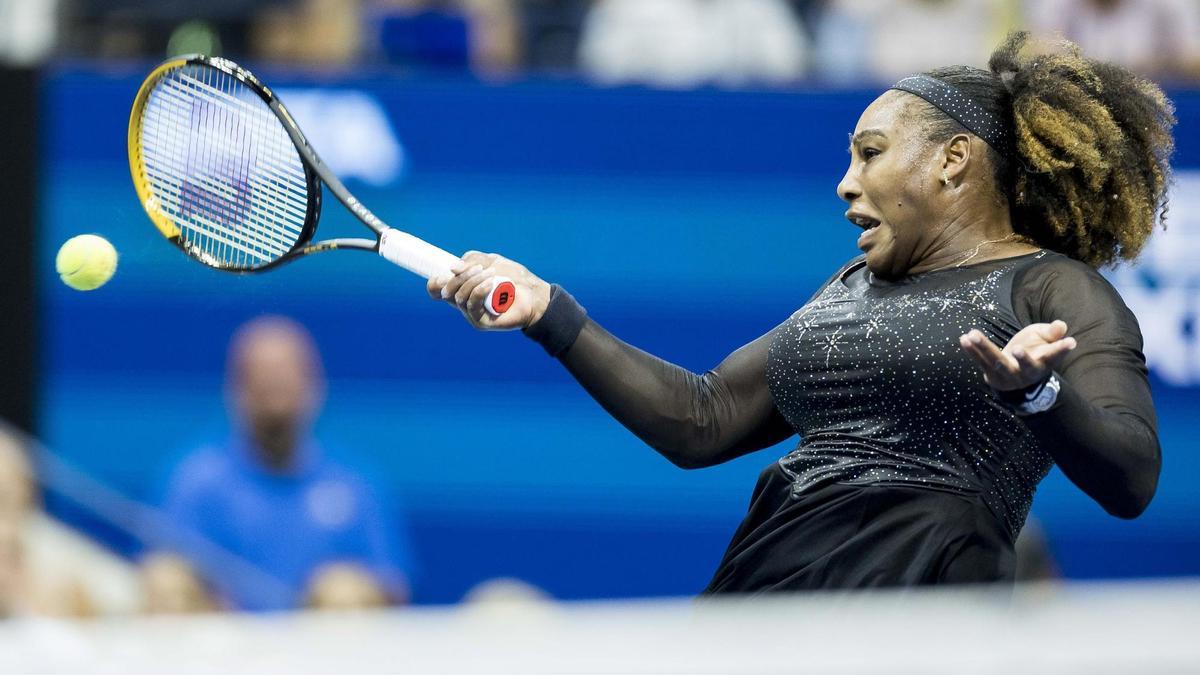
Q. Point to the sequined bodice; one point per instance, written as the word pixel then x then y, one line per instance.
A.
pixel 871 375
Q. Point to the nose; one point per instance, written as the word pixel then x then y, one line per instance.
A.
pixel 849 189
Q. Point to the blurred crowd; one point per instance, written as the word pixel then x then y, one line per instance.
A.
pixel 47 569
pixel 262 520
pixel 669 43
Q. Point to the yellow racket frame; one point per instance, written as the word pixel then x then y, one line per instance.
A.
pixel 137 166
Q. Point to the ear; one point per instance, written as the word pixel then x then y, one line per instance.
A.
pixel 956 156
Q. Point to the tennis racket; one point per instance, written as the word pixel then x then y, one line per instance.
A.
pixel 226 175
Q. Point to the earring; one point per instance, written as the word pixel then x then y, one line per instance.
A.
pixel 945 177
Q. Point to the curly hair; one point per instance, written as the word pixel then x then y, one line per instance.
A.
pixel 1088 163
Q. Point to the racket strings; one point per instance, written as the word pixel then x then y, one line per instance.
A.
pixel 232 203
pixel 222 167
pixel 230 200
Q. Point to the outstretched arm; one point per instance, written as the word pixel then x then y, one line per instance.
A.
pixel 691 419
pixel 1101 430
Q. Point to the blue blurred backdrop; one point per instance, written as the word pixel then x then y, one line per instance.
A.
pixel 687 222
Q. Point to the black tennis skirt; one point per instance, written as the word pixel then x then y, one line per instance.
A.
pixel 844 536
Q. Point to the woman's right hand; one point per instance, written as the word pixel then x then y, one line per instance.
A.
pixel 471 280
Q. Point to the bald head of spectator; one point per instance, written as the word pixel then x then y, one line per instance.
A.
pixel 276 386
pixel 172 586
pixel 346 586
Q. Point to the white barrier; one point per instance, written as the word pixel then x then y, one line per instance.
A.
pixel 1125 628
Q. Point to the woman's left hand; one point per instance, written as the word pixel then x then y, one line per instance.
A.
pixel 1027 358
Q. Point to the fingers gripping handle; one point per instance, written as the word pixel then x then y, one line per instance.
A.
pixel 421 257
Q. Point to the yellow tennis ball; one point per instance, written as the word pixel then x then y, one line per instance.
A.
pixel 86 262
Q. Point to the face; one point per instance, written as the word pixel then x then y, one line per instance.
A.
pixel 276 390
pixel 891 186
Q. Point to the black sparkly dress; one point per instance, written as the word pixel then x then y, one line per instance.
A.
pixel 910 469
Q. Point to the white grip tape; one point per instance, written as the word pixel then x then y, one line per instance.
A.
pixel 415 255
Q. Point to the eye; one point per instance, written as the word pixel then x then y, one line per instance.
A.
pixel 868 153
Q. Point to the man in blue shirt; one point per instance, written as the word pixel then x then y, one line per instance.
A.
pixel 266 518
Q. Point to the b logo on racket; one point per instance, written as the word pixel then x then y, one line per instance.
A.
pixel 502 297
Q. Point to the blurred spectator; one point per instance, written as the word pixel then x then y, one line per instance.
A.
pixel 312 32
pixel 154 28
pixel 344 586
pixel 508 598
pixel 550 31
pixel 684 43
pixel 885 40
pixel 483 35
pixel 1158 38
pixel 45 567
pixel 28 30
pixel 269 496
pixel 809 11
pixel 171 586
pixel 506 590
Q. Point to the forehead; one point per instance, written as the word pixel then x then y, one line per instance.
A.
pixel 271 355
pixel 272 344
pixel 891 113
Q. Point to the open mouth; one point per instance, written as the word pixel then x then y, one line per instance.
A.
pixel 865 222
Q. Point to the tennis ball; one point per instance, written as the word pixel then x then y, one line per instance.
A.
pixel 86 262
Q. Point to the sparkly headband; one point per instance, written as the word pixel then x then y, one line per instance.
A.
pixel 950 100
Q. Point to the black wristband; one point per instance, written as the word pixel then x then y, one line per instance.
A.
pixel 560 324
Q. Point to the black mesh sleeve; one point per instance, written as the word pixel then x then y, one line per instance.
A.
pixel 1102 429
pixel 693 420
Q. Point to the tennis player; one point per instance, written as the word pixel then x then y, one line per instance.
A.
pixel 934 380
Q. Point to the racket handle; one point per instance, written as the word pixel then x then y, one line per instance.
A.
pixel 415 255
pixel 501 297
pixel 420 257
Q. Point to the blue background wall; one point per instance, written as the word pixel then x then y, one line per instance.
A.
pixel 687 222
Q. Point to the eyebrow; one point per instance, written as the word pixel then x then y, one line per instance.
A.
pixel 857 138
